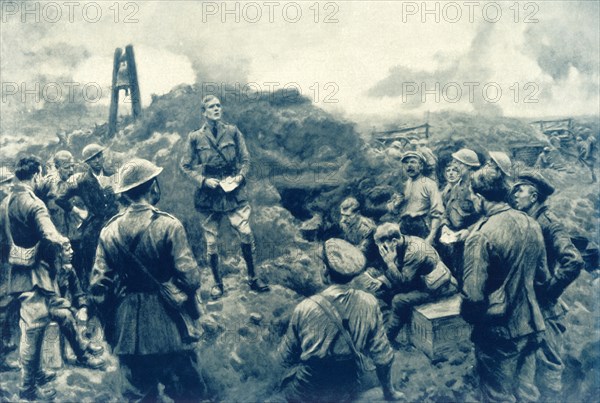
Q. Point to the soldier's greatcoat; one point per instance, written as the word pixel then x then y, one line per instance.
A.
pixel 138 321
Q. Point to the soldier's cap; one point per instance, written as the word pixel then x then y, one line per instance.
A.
pixel 413 154
pixel 385 231
pixel 135 173
pixel 344 258
pixel 467 157
pixel 90 151
pixel 63 156
pixel 502 160
pixel 349 205
pixel 546 149
pixel 6 175
pixel 398 143
pixel 535 179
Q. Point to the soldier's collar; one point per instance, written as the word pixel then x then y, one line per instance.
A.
pixel 538 210
pixel 140 206
pixel 497 208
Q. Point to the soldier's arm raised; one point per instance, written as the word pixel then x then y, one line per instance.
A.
pixel 190 163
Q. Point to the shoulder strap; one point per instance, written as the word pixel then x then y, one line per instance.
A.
pixel 216 148
pixel 130 253
pixel 6 220
pixel 335 317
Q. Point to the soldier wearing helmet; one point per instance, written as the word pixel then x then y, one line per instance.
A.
pixel 93 156
pixel 139 250
pixel 85 194
pixel 459 211
pixel 218 162
pixel 498 165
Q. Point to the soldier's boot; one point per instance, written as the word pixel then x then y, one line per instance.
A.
pixel 254 283
pixel 8 365
pixel 80 346
pixel 217 290
pixel 31 355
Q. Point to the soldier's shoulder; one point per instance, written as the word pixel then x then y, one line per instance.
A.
pixel 113 220
pixel 166 218
pixel 364 298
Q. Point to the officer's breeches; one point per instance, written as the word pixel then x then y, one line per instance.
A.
pixel 239 220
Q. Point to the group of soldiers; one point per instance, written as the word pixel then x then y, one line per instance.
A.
pixel 487 235
pixel 73 239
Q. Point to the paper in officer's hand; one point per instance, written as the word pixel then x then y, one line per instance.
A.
pixel 228 184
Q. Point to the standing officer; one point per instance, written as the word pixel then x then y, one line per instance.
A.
pixel 504 259
pixel 564 263
pixel 139 249
pixel 218 162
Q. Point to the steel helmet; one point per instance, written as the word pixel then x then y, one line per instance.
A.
pixel 502 160
pixel 134 173
pixel 467 157
pixel 91 150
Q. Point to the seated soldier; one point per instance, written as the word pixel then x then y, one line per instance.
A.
pixel 358 229
pixel 415 274
pixel 330 334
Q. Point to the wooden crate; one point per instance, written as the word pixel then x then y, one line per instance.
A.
pixel 437 328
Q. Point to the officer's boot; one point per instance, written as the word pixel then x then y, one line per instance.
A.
pixel 85 358
pixel 31 356
pixel 254 283
pixel 217 291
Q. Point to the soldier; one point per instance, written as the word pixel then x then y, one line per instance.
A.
pixel 504 258
pixel 564 263
pixel 328 334
pixel 421 204
pixel 93 156
pixel 414 272
pixel 141 250
pixel 99 207
pixel 35 246
pixel 217 161
pixel 459 212
pixel 8 304
pixel 357 229
pixel 543 160
pixel 586 153
pixel 498 165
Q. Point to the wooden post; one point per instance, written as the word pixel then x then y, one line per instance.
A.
pixel 114 98
pixel 134 88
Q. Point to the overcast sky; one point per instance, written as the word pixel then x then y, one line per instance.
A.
pixel 358 58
